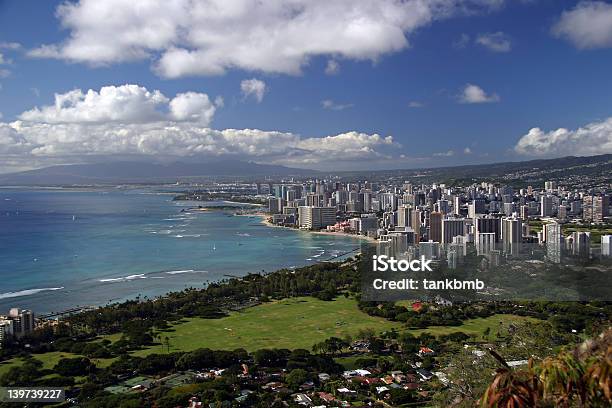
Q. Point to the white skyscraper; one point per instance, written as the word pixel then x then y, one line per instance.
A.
pixel 606 245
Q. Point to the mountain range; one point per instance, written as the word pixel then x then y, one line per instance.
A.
pixel 119 172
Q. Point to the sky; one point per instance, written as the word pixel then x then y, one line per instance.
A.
pixel 324 84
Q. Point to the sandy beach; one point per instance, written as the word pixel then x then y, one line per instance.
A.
pixel 264 219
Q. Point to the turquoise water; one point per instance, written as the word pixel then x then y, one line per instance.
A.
pixel 62 248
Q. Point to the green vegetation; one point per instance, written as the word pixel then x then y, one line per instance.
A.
pixel 596 231
pixel 476 327
pixel 49 360
pixel 291 323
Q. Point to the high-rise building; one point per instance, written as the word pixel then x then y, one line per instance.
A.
pixel 275 205
pixel 524 212
pixel 581 243
pixel 553 238
pixel 606 245
pixel 435 226
pixel 368 224
pixel 316 217
pixel 6 330
pixel 451 228
pixel 485 243
pixel 404 216
pixel 23 321
pixel 388 201
pixel 546 206
pixel 595 208
pixel 430 249
pixel 478 206
pixel 395 243
pixel 512 234
pixel 488 224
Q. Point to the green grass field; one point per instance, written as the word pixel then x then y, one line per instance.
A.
pixel 290 323
pixel 49 360
pixel 476 327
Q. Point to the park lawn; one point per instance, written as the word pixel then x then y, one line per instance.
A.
pixel 50 359
pixel 476 327
pixel 6 365
pixel 290 323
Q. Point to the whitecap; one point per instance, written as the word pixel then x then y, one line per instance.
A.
pixel 26 292
pixel 124 278
pixel 185 271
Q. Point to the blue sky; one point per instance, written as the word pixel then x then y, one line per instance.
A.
pixel 528 64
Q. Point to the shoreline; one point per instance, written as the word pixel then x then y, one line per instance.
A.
pixel 264 220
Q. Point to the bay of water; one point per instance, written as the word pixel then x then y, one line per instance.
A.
pixel 64 248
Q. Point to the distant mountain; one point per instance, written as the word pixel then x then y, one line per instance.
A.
pixel 578 170
pixel 140 172
pixel 582 170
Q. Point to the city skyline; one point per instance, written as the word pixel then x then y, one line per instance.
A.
pixel 384 85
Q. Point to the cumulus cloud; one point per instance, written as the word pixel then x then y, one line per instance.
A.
pixel 207 37
pixel 496 42
pixel 332 67
pixel 448 153
pixel 467 150
pixel 474 94
pixel 253 87
pixel 331 105
pixel 130 120
pixel 415 104
pixel 125 103
pixel 592 139
pixel 588 25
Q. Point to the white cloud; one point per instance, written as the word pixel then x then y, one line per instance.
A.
pixel 496 42
pixel 448 153
pixel 332 67
pixel 2 60
pixel 467 150
pixel 588 25
pixel 219 101
pixel 10 45
pixel 125 104
pixel 4 73
pixel 474 94
pixel 415 104
pixel 207 37
pixel 253 87
pixel 11 142
pixel 331 105
pixel 130 120
pixel 592 139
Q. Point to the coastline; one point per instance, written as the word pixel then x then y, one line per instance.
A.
pixel 264 220
pixel 188 244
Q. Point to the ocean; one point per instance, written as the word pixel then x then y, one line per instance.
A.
pixel 65 248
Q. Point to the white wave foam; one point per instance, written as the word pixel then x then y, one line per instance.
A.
pixel 123 278
pixel 184 271
pixel 26 292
